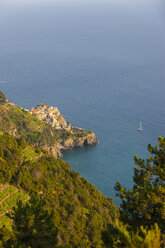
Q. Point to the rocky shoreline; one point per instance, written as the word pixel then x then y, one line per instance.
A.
pixel 71 143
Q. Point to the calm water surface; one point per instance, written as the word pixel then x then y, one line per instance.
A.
pixel 102 64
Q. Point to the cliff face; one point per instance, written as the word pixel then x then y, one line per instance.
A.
pixel 54 150
pixel 89 139
pixel 71 143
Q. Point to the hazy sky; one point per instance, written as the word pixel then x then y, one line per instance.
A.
pixel 160 3
pixel 77 1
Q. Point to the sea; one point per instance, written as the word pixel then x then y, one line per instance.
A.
pixel 102 63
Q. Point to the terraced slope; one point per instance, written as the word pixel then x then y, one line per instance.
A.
pixel 9 195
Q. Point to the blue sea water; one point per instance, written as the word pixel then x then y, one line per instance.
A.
pixel 102 64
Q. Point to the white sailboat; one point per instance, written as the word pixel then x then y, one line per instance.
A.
pixel 140 128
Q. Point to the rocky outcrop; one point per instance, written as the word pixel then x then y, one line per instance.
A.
pixel 89 139
pixel 54 150
pixel 71 143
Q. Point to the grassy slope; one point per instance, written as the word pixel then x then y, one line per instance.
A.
pixel 81 211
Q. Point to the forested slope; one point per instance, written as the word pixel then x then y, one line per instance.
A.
pixel 81 212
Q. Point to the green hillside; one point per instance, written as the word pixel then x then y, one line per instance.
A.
pixel 81 212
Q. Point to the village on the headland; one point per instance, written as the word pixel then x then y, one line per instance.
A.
pixel 50 115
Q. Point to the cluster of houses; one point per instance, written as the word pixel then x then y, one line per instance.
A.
pixel 50 115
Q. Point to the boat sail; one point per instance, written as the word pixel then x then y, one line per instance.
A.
pixel 140 128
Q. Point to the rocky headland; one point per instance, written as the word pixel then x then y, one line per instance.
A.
pixel 77 136
pixel 71 143
pixel 43 126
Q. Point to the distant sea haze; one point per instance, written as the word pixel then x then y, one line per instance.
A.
pixel 102 65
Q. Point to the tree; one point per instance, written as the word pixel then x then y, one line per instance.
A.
pixel 33 227
pixel 119 235
pixel 145 204
pixel 142 211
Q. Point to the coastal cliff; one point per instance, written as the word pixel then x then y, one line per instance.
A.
pixel 71 143
pixel 88 139
pixel 43 126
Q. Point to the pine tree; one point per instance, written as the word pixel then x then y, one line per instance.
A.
pixel 142 211
pixel 145 204
pixel 119 235
pixel 33 227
